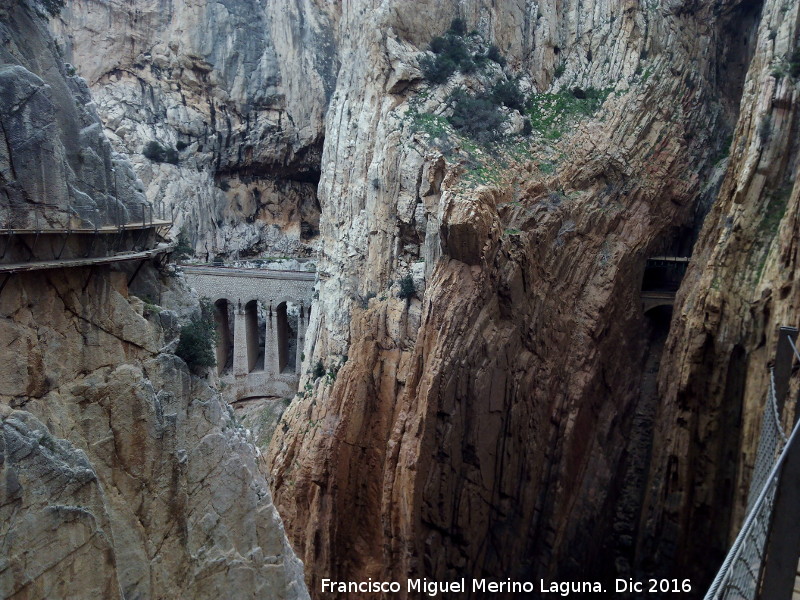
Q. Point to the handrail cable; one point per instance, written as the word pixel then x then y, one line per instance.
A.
pixel 739 573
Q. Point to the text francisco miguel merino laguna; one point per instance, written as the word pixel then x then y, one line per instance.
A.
pixel 434 588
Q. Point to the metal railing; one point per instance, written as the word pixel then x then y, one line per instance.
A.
pixel 62 219
pixel 739 576
pixel 742 574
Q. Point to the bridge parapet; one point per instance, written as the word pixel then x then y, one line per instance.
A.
pixel 265 285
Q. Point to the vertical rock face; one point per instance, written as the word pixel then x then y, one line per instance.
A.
pixel 496 420
pixel 124 476
pixel 56 166
pixel 741 287
pixel 480 428
pixel 121 474
pixel 233 93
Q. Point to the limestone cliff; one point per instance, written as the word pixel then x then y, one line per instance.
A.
pixel 233 96
pixel 56 166
pixel 511 414
pixel 482 427
pixel 122 474
pixel 740 288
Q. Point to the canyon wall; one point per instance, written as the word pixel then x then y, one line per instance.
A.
pixel 481 428
pixel 56 165
pixel 511 415
pixel 232 94
pixel 123 474
pixel 740 288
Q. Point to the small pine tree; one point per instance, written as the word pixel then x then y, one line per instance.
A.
pixel 198 337
pixel 452 55
pixel 437 69
pixel 458 27
pixel 508 93
pixel 476 116
pixel 154 151
pixel 407 289
pixel 495 55
pixel 319 370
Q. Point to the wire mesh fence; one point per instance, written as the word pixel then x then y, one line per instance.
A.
pixel 739 576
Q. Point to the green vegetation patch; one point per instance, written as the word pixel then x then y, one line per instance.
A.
pixel 198 337
pixel 775 209
pixel 319 370
pixel 550 114
pixel 477 116
pixel 407 288
pixel 433 125
pixel 158 153
pixel 473 131
pixel 452 53
pixel 507 93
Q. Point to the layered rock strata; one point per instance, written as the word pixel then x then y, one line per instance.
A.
pixel 513 415
pixel 740 288
pixel 479 428
pixel 233 96
pixel 122 474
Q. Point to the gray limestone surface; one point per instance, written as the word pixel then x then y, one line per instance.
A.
pixel 56 165
pixel 122 474
pixel 237 89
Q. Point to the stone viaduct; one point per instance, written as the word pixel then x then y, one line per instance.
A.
pixel 261 354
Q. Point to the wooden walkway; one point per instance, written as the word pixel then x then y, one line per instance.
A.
pixel 38 265
pixel 155 223
pixel 672 259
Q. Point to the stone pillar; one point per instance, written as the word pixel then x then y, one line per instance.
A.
pixel 239 341
pixel 271 343
pixel 301 337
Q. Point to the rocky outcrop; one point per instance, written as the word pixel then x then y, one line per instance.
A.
pixel 480 427
pixel 119 465
pixel 122 474
pixel 48 120
pixel 233 93
pixel 740 288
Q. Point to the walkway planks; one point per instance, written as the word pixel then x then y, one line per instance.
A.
pixel 82 230
pixel 84 262
pixel 675 259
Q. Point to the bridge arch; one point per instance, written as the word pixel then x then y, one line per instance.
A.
pixel 222 322
pixel 254 331
pixel 287 299
pixel 654 300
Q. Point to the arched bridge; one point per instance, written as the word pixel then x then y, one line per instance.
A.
pixel 261 317
pixel 662 278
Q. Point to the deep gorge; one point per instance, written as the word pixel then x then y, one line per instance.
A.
pixel 487 193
